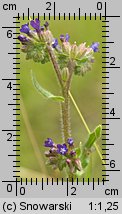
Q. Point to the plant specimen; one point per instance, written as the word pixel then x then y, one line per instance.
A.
pixel 39 44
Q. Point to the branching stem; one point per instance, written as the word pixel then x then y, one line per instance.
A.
pixel 65 106
pixel 55 64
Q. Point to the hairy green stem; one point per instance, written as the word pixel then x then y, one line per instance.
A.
pixel 55 64
pixel 65 116
pixel 65 107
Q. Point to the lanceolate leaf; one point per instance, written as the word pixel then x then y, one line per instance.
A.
pixel 44 92
pixel 94 136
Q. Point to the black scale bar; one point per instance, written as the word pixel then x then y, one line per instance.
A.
pixel 11 27
pixel 111 16
pixel 111 118
pixel 110 67
pixel 111 170
pixel 11 130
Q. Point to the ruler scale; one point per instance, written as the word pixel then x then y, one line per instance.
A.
pixel 91 195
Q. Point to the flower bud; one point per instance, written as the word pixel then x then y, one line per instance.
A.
pixel 66 47
pixel 77 164
pixel 64 38
pixel 71 167
pixel 68 161
pixel 49 154
pixel 23 39
pixel 53 151
pixel 48 37
pixel 33 35
pixel 46 25
pixel 81 49
pixel 88 52
pixel 73 153
pixel 65 74
pixel 74 50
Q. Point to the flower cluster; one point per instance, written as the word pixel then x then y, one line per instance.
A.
pixel 34 43
pixel 81 55
pixel 62 155
pixel 68 155
pixel 35 46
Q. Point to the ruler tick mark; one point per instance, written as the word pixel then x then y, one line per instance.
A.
pixel 28 14
pixel 79 14
pixel 64 16
pixel 44 16
pixel 67 186
pixel 54 10
pixel 69 16
pixel 42 184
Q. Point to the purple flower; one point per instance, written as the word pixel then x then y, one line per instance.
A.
pixel 64 38
pixel 23 39
pixel 67 37
pixel 49 143
pixel 25 29
pixel 62 149
pixel 95 46
pixel 72 153
pixel 55 43
pixel 70 141
pixel 35 24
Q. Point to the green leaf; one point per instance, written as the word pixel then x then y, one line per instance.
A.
pixel 98 131
pixel 81 61
pixel 93 137
pixel 85 160
pixel 44 92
